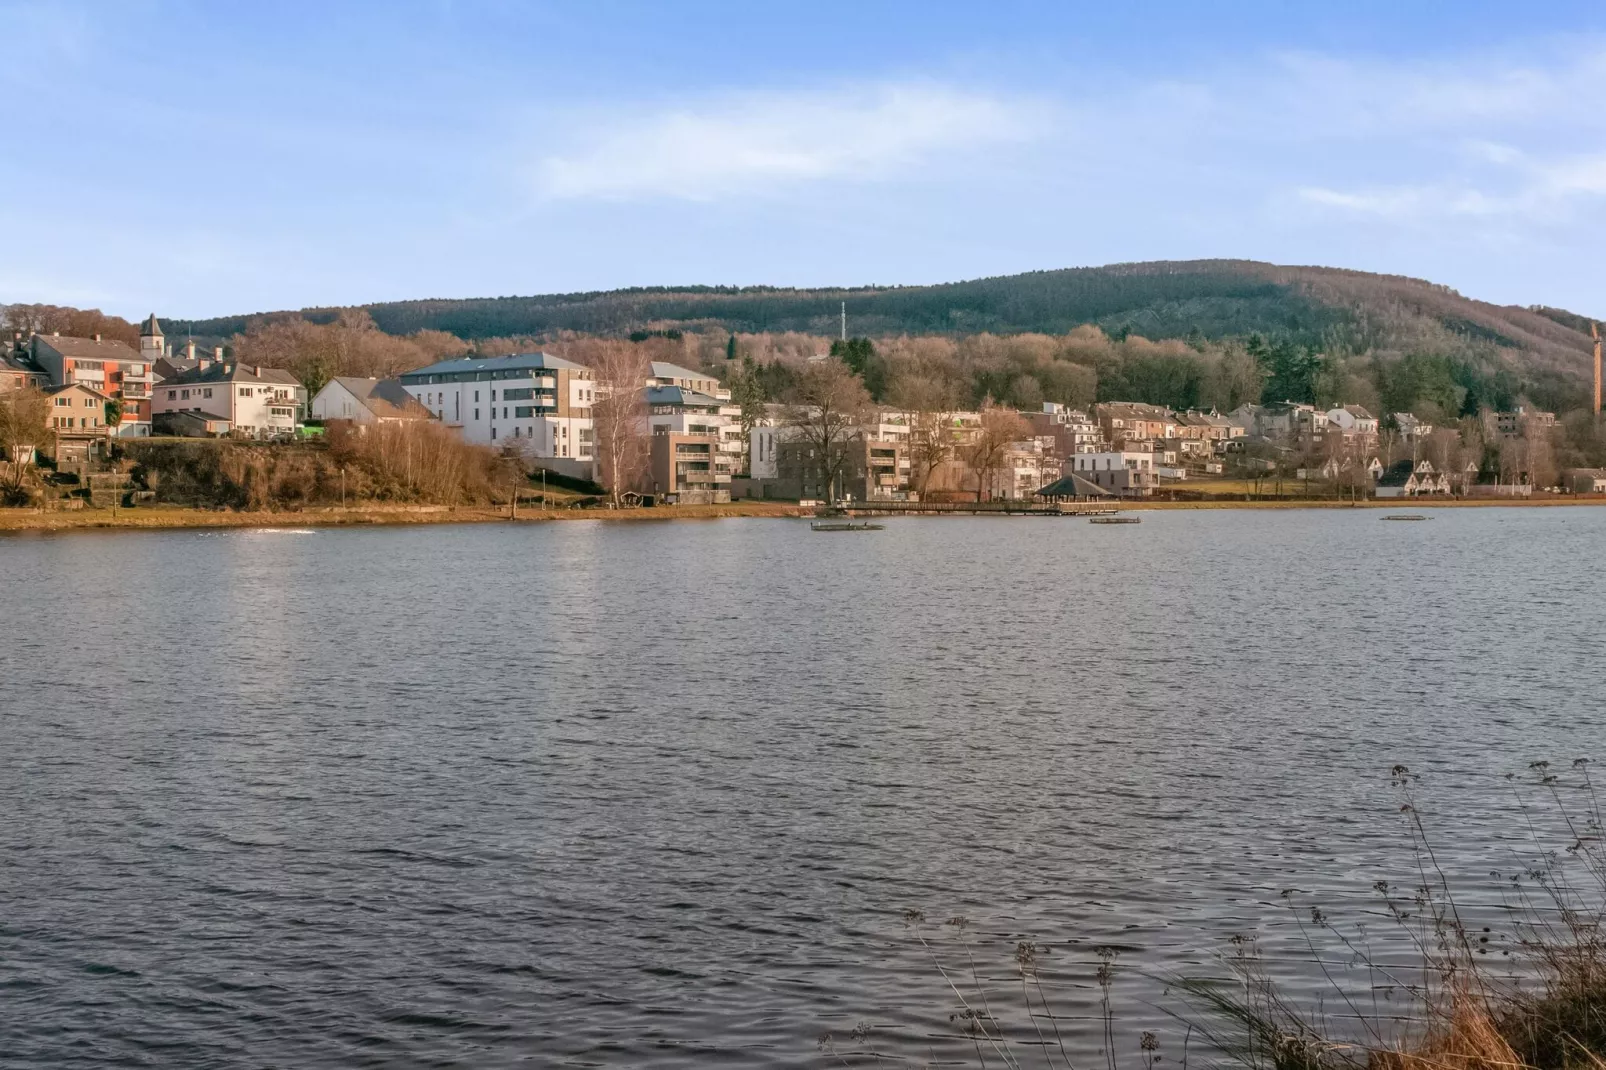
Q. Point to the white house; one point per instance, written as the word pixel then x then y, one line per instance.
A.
pixel 1125 472
pixel 367 401
pixel 539 402
pixel 1353 419
pixel 243 399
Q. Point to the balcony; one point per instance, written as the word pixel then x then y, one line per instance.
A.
pixel 136 390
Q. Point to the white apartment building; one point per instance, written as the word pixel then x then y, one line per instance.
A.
pixel 1353 419
pixel 539 402
pixel 662 373
pixel 1126 472
pixel 230 398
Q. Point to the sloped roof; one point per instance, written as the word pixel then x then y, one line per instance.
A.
pixel 386 398
pixel 88 348
pixel 85 387
pixel 233 372
pixel 515 362
pixel 152 329
pixel 1073 486
pixel 1397 474
pixel 662 369
pixel 678 395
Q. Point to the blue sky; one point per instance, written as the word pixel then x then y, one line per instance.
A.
pixel 201 159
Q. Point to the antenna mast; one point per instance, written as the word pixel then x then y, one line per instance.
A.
pixel 1594 332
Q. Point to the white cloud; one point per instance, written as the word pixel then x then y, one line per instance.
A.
pixel 764 141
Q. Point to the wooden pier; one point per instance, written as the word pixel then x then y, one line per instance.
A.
pixel 890 508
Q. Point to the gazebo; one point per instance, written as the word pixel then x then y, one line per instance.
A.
pixel 1072 488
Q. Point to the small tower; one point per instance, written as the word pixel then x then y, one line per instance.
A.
pixel 151 345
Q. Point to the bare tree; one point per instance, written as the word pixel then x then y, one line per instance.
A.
pixel 23 416
pixel 619 415
pixel 927 403
pixel 984 451
pixel 826 411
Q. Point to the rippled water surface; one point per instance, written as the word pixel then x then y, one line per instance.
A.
pixel 627 794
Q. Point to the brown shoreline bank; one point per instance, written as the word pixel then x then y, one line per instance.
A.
pixel 163 518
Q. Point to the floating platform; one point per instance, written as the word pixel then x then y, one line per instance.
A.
pixel 1405 516
pixel 1114 520
pixel 845 525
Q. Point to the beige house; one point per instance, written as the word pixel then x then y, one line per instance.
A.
pixel 77 421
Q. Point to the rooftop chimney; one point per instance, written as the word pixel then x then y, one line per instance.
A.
pixel 217 354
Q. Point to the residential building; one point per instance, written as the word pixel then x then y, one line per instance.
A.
pixel 1409 479
pixel 1518 422
pixel 1352 419
pixel 77 421
pixel 681 410
pixel 662 373
pixel 18 371
pixel 689 468
pixel 1411 428
pixel 873 470
pixel 1125 473
pixel 1587 481
pixel 186 358
pixel 1028 466
pixel 539 402
pixel 1131 421
pixel 367 401
pixel 1072 430
pixel 230 398
pixel 1208 427
pixel 109 367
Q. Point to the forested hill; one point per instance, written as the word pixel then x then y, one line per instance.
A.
pixel 1323 308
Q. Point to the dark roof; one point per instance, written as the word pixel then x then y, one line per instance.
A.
pixel 152 329
pixel 233 372
pixel 1073 486
pixel 1397 474
pixel 88 348
pixel 385 398
pixel 516 362
pixel 13 362
pixel 679 395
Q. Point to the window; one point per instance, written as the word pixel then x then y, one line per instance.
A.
pixel 207 392
pixel 172 395
pixel 476 398
pixel 523 412
pixel 518 395
pixel 476 411
pixel 186 394
pixel 504 412
pixel 62 402
pixel 493 395
pixel 245 391
pixel 493 434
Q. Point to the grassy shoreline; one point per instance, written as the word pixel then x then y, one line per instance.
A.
pixel 156 518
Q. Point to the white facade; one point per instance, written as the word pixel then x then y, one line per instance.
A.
pixel 255 401
pixel 1353 418
pixel 538 402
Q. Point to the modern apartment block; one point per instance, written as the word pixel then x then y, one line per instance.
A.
pixel 108 367
pixel 539 403
pixel 1127 473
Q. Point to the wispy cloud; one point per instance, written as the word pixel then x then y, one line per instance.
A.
pixel 762 142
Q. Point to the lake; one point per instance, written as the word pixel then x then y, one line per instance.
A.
pixel 596 793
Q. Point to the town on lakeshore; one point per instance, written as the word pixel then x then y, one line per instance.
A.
pixel 84 418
